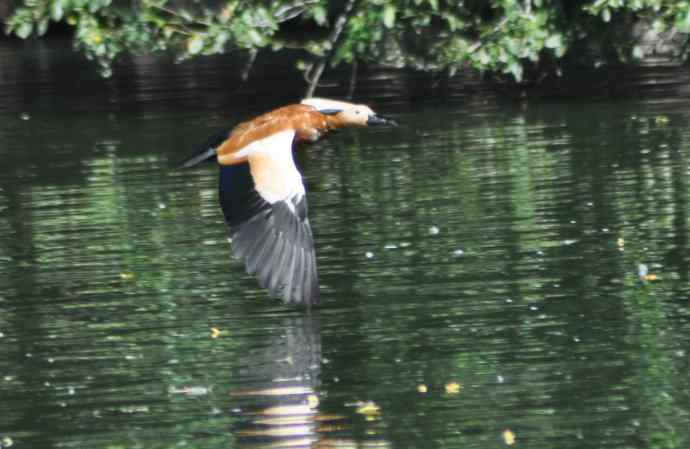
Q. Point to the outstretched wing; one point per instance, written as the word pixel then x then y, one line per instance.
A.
pixel 265 206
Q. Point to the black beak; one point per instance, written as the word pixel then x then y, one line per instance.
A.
pixel 378 120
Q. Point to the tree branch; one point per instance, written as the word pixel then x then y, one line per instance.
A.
pixel 292 10
pixel 338 27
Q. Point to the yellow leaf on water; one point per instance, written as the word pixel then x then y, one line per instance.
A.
pixel 368 408
pixel 126 275
pixel 421 388
pixel 215 332
pixel 509 437
pixel 312 401
pixel 453 388
pixel 661 120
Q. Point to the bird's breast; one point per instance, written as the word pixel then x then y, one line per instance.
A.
pixel 274 172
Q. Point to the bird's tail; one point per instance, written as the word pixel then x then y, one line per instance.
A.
pixel 207 151
pixel 198 158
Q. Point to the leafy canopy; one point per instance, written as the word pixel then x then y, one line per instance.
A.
pixel 500 36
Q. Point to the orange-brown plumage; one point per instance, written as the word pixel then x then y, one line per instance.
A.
pixel 262 194
pixel 307 122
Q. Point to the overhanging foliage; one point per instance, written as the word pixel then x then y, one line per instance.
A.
pixel 499 36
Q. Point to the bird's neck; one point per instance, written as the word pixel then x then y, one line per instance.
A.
pixel 334 122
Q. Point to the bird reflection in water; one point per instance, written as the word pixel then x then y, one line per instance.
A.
pixel 279 397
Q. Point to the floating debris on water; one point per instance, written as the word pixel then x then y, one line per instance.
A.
pixel 661 120
pixel 434 230
pixel 421 388
pixel 369 255
pixel 644 274
pixel 133 409
pixel 453 388
pixel 368 408
pixel 312 401
pixel 215 332
pixel 189 391
pixel 458 253
pixel 509 437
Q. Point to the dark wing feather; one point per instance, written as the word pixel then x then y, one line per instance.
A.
pixel 274 240
pixel 207 151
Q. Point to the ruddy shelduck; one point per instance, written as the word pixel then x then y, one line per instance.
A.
pixel 262 194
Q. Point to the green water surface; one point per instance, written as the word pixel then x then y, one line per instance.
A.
pixel 479 266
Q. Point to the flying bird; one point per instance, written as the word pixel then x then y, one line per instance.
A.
pixel 262 194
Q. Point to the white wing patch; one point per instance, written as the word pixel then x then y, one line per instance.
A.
pixel 273 169
pixel 322 104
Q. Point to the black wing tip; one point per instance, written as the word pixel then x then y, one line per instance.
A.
pixel 304 294
pixel 308 301
pixel 207 150
pixel 277 248
pixel 306 291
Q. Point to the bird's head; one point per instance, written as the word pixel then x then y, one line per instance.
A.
pixel 349 114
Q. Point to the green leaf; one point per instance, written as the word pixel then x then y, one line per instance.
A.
pixel 24 29
pixel 637 52
pixel 683 23
pixel 389 16
pixel 483 57
pixel 319 15
pixel 195 44
pixel 56 10
pixel 554 41
pixel 42 26
pixel 515 68
pixel 185 15
pixel 255 38
pixel 606 15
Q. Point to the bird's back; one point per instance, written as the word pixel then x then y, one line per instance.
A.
pixel 304 120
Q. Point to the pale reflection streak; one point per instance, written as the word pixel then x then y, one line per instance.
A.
pixel 279 402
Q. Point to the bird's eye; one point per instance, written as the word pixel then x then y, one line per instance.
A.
pixel 357 112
